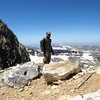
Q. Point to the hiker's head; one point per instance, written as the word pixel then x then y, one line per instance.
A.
pixel 48 34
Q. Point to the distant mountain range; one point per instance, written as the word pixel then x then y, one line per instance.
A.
pixel 85 54
pixel 70 44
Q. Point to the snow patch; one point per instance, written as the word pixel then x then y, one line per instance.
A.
pixel 36 59
pixel 98 70
pixel 63 57
pixel 87 55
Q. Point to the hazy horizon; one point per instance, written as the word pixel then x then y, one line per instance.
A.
pixel 70 44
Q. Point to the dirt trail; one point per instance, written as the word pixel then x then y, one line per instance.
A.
pixel 39 90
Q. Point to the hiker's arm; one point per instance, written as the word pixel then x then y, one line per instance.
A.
pixel 52 51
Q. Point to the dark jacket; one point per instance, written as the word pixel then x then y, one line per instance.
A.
pixel 43 46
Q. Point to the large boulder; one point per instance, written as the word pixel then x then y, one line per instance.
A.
pixel 20 75
pixel 11 51
pixel 56 71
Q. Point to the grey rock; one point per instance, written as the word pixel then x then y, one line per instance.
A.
pixel 19 76
pixel 30 50
pixel 89 96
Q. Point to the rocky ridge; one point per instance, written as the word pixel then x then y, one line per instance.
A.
pixel 11 51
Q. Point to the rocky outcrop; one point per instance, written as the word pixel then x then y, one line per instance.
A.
pixel 56 71
pixel 11 51
pixel 30 50
pixel 20 75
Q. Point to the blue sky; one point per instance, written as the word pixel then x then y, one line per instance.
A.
pixel 70 21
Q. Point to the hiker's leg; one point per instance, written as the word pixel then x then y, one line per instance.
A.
pixel 48 57
pixel 45 59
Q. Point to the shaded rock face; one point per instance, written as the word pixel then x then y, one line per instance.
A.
pixel 11 51
pixel 20 75
pixel 57 71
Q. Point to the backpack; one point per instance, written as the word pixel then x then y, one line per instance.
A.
pixel 42 42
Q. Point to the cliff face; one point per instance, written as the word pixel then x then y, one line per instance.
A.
pixel 11 51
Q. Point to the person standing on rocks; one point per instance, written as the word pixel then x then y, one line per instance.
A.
pixel 46 48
